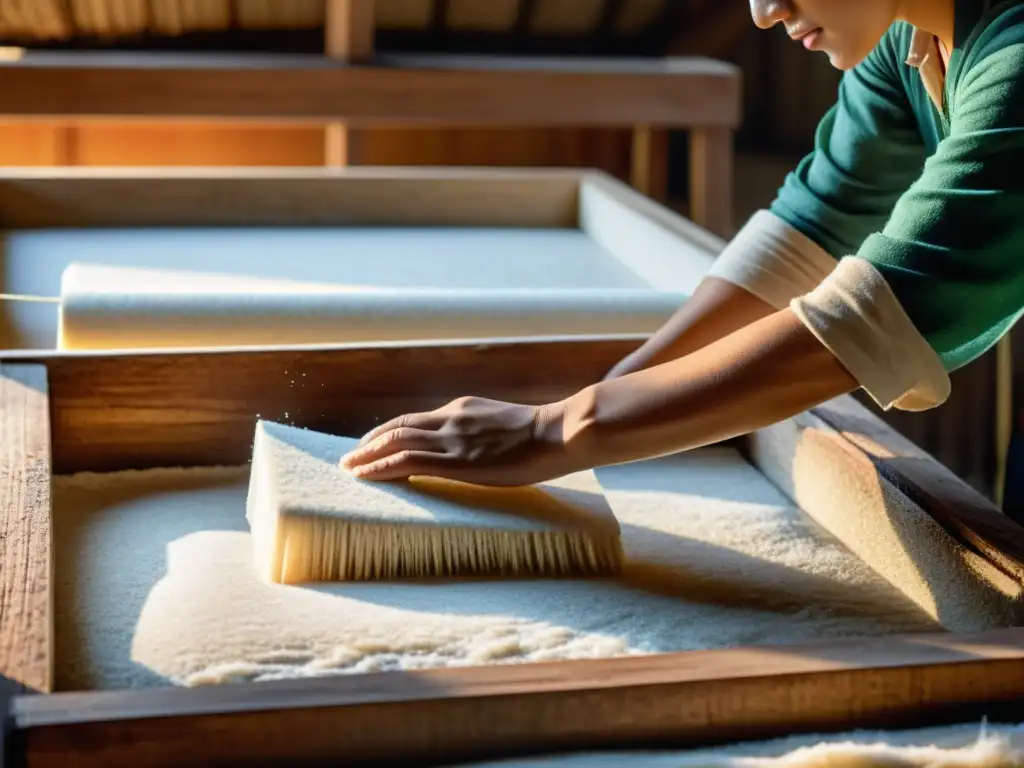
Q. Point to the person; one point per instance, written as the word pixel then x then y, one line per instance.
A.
pixel 892 255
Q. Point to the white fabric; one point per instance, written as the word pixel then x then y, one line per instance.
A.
pixel 847 305
pixel 773 261
pixel 115 307
pixel 856 315
pixel 955 746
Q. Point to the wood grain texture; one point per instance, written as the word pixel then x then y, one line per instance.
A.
pixel 36 143
pixel 137 410
pixel 121 411
pixel 33 198
pixel 26 620
pixel 441 716
pixel 153 144
pixel 401 90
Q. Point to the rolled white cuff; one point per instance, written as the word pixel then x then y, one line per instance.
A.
pixel 855 314
pixel 773 261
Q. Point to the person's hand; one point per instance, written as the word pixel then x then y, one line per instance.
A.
pixel 473 440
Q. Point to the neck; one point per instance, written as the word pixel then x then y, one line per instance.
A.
pixel 934 16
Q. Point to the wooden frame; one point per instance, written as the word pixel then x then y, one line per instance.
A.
pixel 199 408
pixel 663 248
pixel 647 96
pixel 66 412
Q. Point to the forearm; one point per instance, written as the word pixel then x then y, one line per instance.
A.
pixel 763 268
pixel 763 373
pixel 716 309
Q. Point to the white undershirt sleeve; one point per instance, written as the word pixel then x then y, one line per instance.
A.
pixel 857 316
pixel 846 304
pixel 773 260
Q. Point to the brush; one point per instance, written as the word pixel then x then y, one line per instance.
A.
pixel 313 521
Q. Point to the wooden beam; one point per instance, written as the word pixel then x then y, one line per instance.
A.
pixel 604 32
pixel 206 403
pixel 468 197
pixel 711 169
pixel 649 162
pixel 1004 416
pixel 524 19
pixel 438 28
pixel 404 90
pixel 348 36
pixel 440 717
pixel 26 618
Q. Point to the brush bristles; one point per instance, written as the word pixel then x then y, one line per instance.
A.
pixel 322 549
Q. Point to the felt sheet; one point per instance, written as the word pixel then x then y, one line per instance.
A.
pixel 968 745
pixel 105 307
pixel 156 584
pixel 400 257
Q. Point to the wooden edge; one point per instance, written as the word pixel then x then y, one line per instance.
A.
pixel 34 198
pixel 26 611
pixel 442 716
pixel 200 408
pixel 436 90
pixel 662 247
pixel 49 357
pixel 837 485
pixel 964 513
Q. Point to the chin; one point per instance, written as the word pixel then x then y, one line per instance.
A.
pixel 842 60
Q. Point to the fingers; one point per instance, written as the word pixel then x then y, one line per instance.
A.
pixel 373 449
pixel 429 420
pixel 404 464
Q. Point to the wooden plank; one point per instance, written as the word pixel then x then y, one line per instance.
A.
pixel 1004 419
pixel 349 28
pixel 137 410
pixel 711 170
pixel 36 143
pixel 649 162
pixel 348 36
pixel 964 513
pixel 151 144
pixel 442 716
pixel 424 90
pixel 26 618
pixel 31 198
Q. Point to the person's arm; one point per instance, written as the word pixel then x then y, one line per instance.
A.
pixel 716 309
pixel 768 371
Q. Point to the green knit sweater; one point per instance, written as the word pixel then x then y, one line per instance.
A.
pixel 933 199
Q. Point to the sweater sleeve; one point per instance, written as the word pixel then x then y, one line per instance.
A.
pixel 868 151
pixel 930 251
pixel 953 250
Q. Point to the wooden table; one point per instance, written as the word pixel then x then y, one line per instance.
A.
pixel 62 413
